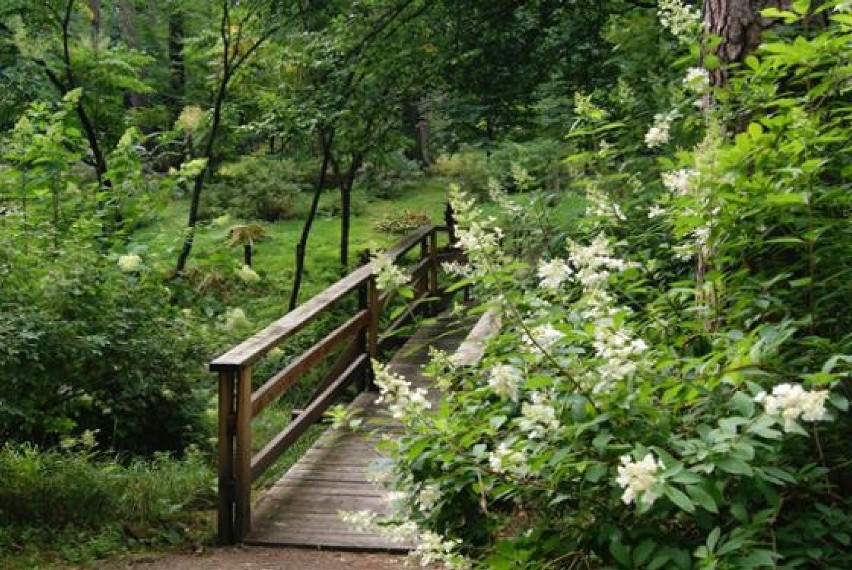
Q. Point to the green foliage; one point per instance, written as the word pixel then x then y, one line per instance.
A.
pixel 255 188
pixel 74 504
pixel 670 385
pixel 89 347
pixel 402 223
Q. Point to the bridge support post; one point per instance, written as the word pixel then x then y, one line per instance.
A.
pixel 242 455
pixel 227 425
pixel 433 273
pixel 375 309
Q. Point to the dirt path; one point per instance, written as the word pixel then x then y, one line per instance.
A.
pixel 253 558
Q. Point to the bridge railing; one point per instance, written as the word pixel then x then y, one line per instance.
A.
pixel 361 339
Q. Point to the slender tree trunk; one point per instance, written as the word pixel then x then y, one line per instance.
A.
pixel 345 183
pixel 127 25
pixel 177 65
pixel 326 140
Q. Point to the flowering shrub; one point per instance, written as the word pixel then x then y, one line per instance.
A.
pixel 670 385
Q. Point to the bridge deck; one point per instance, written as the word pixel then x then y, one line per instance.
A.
pixel 301 509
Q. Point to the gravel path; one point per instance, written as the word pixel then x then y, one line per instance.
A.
pixel 254 558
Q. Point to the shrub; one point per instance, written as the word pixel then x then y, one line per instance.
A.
pixel 402 223
pixel 670 385
pixel 72 499
pixel 84 346
pixel 255 188
pixel 469 168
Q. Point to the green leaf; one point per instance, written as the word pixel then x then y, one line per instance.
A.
pixel 735 466
pixel 702 498
pixel 799 198
pixel 679 498
pixel 713 539
pixel 619 552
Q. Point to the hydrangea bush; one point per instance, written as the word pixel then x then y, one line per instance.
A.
pixel 669 387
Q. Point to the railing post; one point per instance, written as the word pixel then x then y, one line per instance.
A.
pixel 450 222
pixel 373 323
pixel 226 457
pixel 363 303
pixel 433 272
pixel 242 456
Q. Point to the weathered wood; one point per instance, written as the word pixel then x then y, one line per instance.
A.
pixel 283 440
pixel 282 380
pixel 301 509
pixel 255 347
pixel 242 469
pixel 226 458
pixel 259 344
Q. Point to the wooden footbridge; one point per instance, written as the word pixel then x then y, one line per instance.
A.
pixel 301 509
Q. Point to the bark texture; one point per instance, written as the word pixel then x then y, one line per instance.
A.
pixel 739 25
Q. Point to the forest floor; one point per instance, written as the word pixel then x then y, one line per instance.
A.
pixel 255 558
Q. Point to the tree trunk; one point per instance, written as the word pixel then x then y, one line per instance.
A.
pixel 345 183
pixel 127 25
pixel 177 65
pixel 738 24
pixel 326 140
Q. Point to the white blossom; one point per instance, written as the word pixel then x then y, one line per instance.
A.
pixel 427 498
pixel 359 521
pixel 504 459
pixel 388 275
pixel 538 417
pixel 247 274
pixel 129 263
pixel 680 182
pixel 680 19
pixel 505 380
pixel 236 319
pixel 658 134
pixel 639 479
pixel 794 402
pixel 697 79
pixel 553 272
pixel 402 399
pixel 655 211
pixel 542 338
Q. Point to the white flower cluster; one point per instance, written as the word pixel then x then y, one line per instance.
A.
pixel 403 401
pixel 542 338
pixel 360 521
pixel 680 182
pixel 499 197
pixel 538 417
pixel 504 459
pixel 427 498
pixel 553 273
pixel 594 262
pixel 388 275
pixel 601 206
pixel 697 79
pixel 236 319
pixel 247 274
pixel 658 134
pixel 480 239
pixel 505 380
pixel 638 479
pixel 433 548
pixel 129 263
pixel 794 402
pixel 681 20
pixel 619 352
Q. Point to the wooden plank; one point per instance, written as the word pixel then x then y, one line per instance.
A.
pixel 301 508
pixel 282 380
pixel 279 443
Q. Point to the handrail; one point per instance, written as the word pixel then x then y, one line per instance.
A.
pixel 262 342
pixel 238 468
